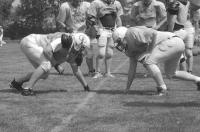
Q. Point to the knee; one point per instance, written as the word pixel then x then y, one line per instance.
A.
pixel 46 66
pixel 109 53
pixel 102 52
pixel 188 53
pixel 170 75
pixel 89 55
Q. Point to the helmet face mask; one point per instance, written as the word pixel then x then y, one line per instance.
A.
pixel 109 1
pixel 121 46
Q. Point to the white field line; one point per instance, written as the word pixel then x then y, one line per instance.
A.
pixel 85 101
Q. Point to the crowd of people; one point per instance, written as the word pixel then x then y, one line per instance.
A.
pixel 136 30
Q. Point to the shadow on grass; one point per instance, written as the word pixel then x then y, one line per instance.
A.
pixel 138 75
pixel 37 92
pixel 8 91
pixel 51 91
pixel 65 74
pixel 130 92
pixel 162 104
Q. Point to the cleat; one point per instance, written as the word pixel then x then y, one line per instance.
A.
pixel 198 86
pixel 86 88
pixel 28 92
pixel 97 75
pixel 109 75
pixel 16 85
pixel 161 91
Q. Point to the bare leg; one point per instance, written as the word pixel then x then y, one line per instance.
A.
pixel 24 79
pixel 186 76
pixel 37 74
pixel 156 74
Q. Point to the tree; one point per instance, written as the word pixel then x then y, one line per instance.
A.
pixel 32 17
pixel 5 6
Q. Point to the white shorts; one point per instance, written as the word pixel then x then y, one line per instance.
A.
pixel 105 38
pixel 169 53
pixel 34 53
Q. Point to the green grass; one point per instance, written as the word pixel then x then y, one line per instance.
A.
pixel 62 105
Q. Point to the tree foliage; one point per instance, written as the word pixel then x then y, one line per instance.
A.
pixel 33 16
pixel 5 6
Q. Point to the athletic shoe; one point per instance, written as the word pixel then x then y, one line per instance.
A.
pixel 198 86
pixel 109 75
pixel 16 85
pixel 86 88
pixel 97 75
pixel 91 73
pixel 28 92
pixel 161 91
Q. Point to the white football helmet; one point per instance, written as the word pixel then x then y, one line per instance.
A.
pixel 118 37
pixel 119 33
pixel 80 40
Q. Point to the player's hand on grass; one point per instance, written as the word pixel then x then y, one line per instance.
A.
pixel 59 69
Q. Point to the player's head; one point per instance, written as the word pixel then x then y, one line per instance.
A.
pixel 66 41
pixel 118 38
pixel 147 2
pixel 108 1
pixel 75 3
pixel 78 41
pixel 75 44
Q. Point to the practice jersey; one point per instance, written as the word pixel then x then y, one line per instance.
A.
pixel 138 39
pixel 73 17
pixel 43 40
pixel 148 16
pixel 105 13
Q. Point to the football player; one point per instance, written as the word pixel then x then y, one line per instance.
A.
pixel 179 20
pixel 150 13
pixel 151 47
pixel 104 16
pixel 72 18
pixel 45 51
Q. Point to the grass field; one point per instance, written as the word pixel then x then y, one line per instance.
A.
pixel 61 105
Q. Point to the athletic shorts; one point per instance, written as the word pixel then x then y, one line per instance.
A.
pixel 105 38
pixel 34 52
pixel 189 39
pixel 167 52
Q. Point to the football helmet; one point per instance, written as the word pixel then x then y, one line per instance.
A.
pixel 80 41
pixel 118 37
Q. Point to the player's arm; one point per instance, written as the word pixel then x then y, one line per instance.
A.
pixel 131 72
pixel 153 43
pixel 63 15
pixel 77 72
pixel 173 8
pixel 48 53
pixel 119 13
pixel 162 15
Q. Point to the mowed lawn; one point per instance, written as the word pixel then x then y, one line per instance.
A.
pixel 61 105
